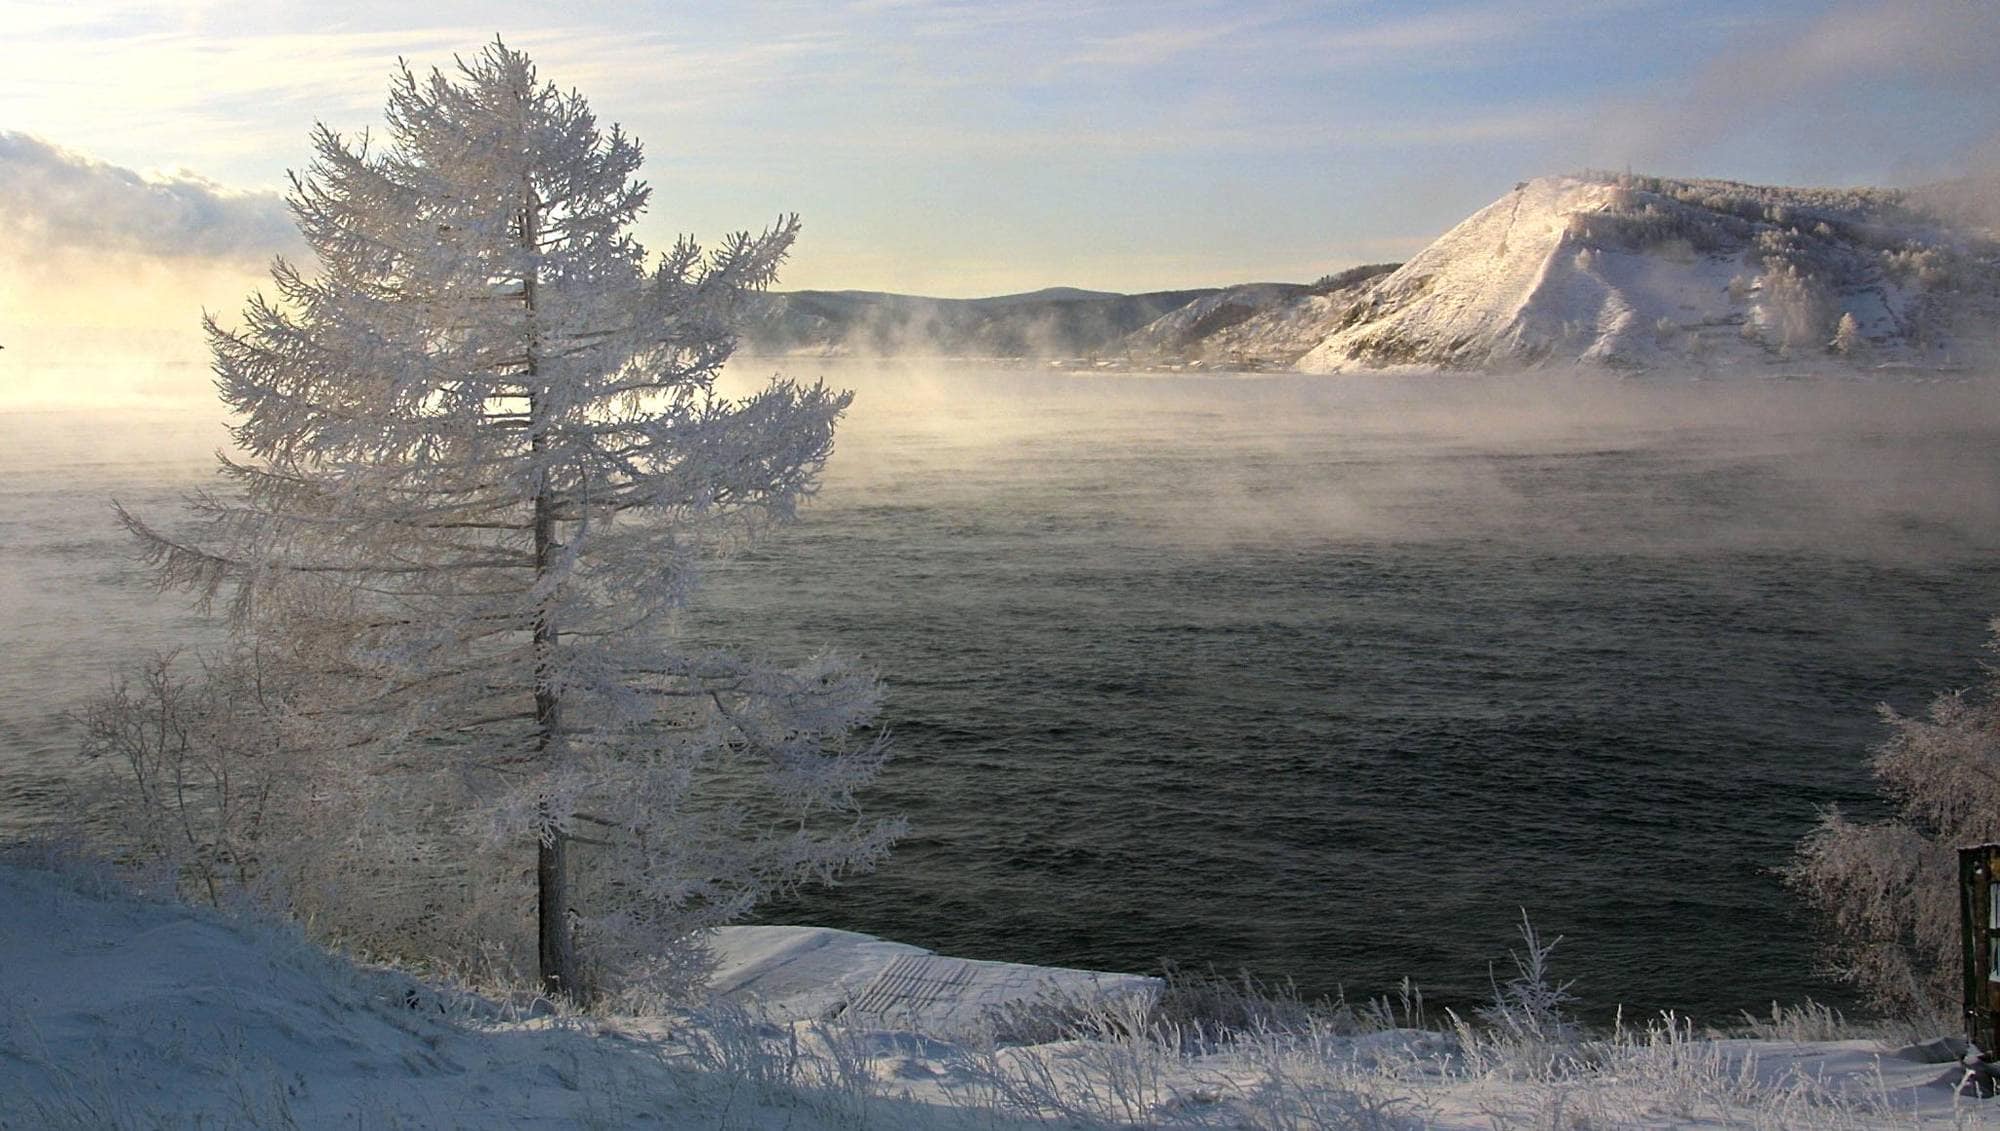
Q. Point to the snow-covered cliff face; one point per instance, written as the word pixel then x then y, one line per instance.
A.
pixel 1648 273
pixel 1197 326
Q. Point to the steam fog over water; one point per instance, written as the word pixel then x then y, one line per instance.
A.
pixel 1325 677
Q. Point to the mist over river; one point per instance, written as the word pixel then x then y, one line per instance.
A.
pixel 1328 678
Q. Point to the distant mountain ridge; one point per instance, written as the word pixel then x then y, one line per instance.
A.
pixel 1593 269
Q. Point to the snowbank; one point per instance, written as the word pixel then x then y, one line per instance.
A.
pixel 119 1012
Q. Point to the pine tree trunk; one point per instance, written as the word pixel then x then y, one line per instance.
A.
pixel 555 940
pixel 555 943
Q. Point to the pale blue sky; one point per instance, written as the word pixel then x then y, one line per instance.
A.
pixel 977 148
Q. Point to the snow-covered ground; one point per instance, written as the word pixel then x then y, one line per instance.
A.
pixel 118 1011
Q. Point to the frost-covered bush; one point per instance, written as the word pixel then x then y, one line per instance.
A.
pixel 1796 306
pixel 215 770
pixel 1889 888
pixel 1932 267
pixel 203 771
pixel 1531 1005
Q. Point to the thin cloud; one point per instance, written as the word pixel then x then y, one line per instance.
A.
pixel 58 200
pixel 1093 146
pixel 1280 38
pixel 1155 46
pixel 1426 33
pixel 232 99
pixel 1439 38
pixel 1835 68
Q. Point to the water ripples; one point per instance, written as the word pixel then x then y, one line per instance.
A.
pixel 1324 679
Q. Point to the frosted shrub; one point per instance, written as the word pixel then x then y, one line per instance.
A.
pixel 1889 889
pixel 1528 1032
pixel 1674 227
pixel 1795 305
pixel 204 777
pixel 1531 1006
pixel 212 772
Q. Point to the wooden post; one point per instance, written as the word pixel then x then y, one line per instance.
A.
pixel 1979 926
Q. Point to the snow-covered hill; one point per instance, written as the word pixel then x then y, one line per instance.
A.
pixel 1643 272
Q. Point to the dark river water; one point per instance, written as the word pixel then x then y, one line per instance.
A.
pixel 1325 678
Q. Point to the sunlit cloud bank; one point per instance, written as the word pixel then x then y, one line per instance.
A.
pixel 56 200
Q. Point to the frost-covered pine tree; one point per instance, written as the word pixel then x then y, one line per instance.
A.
pixel 1847 340
pixel 1794 306
pixel 485 461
